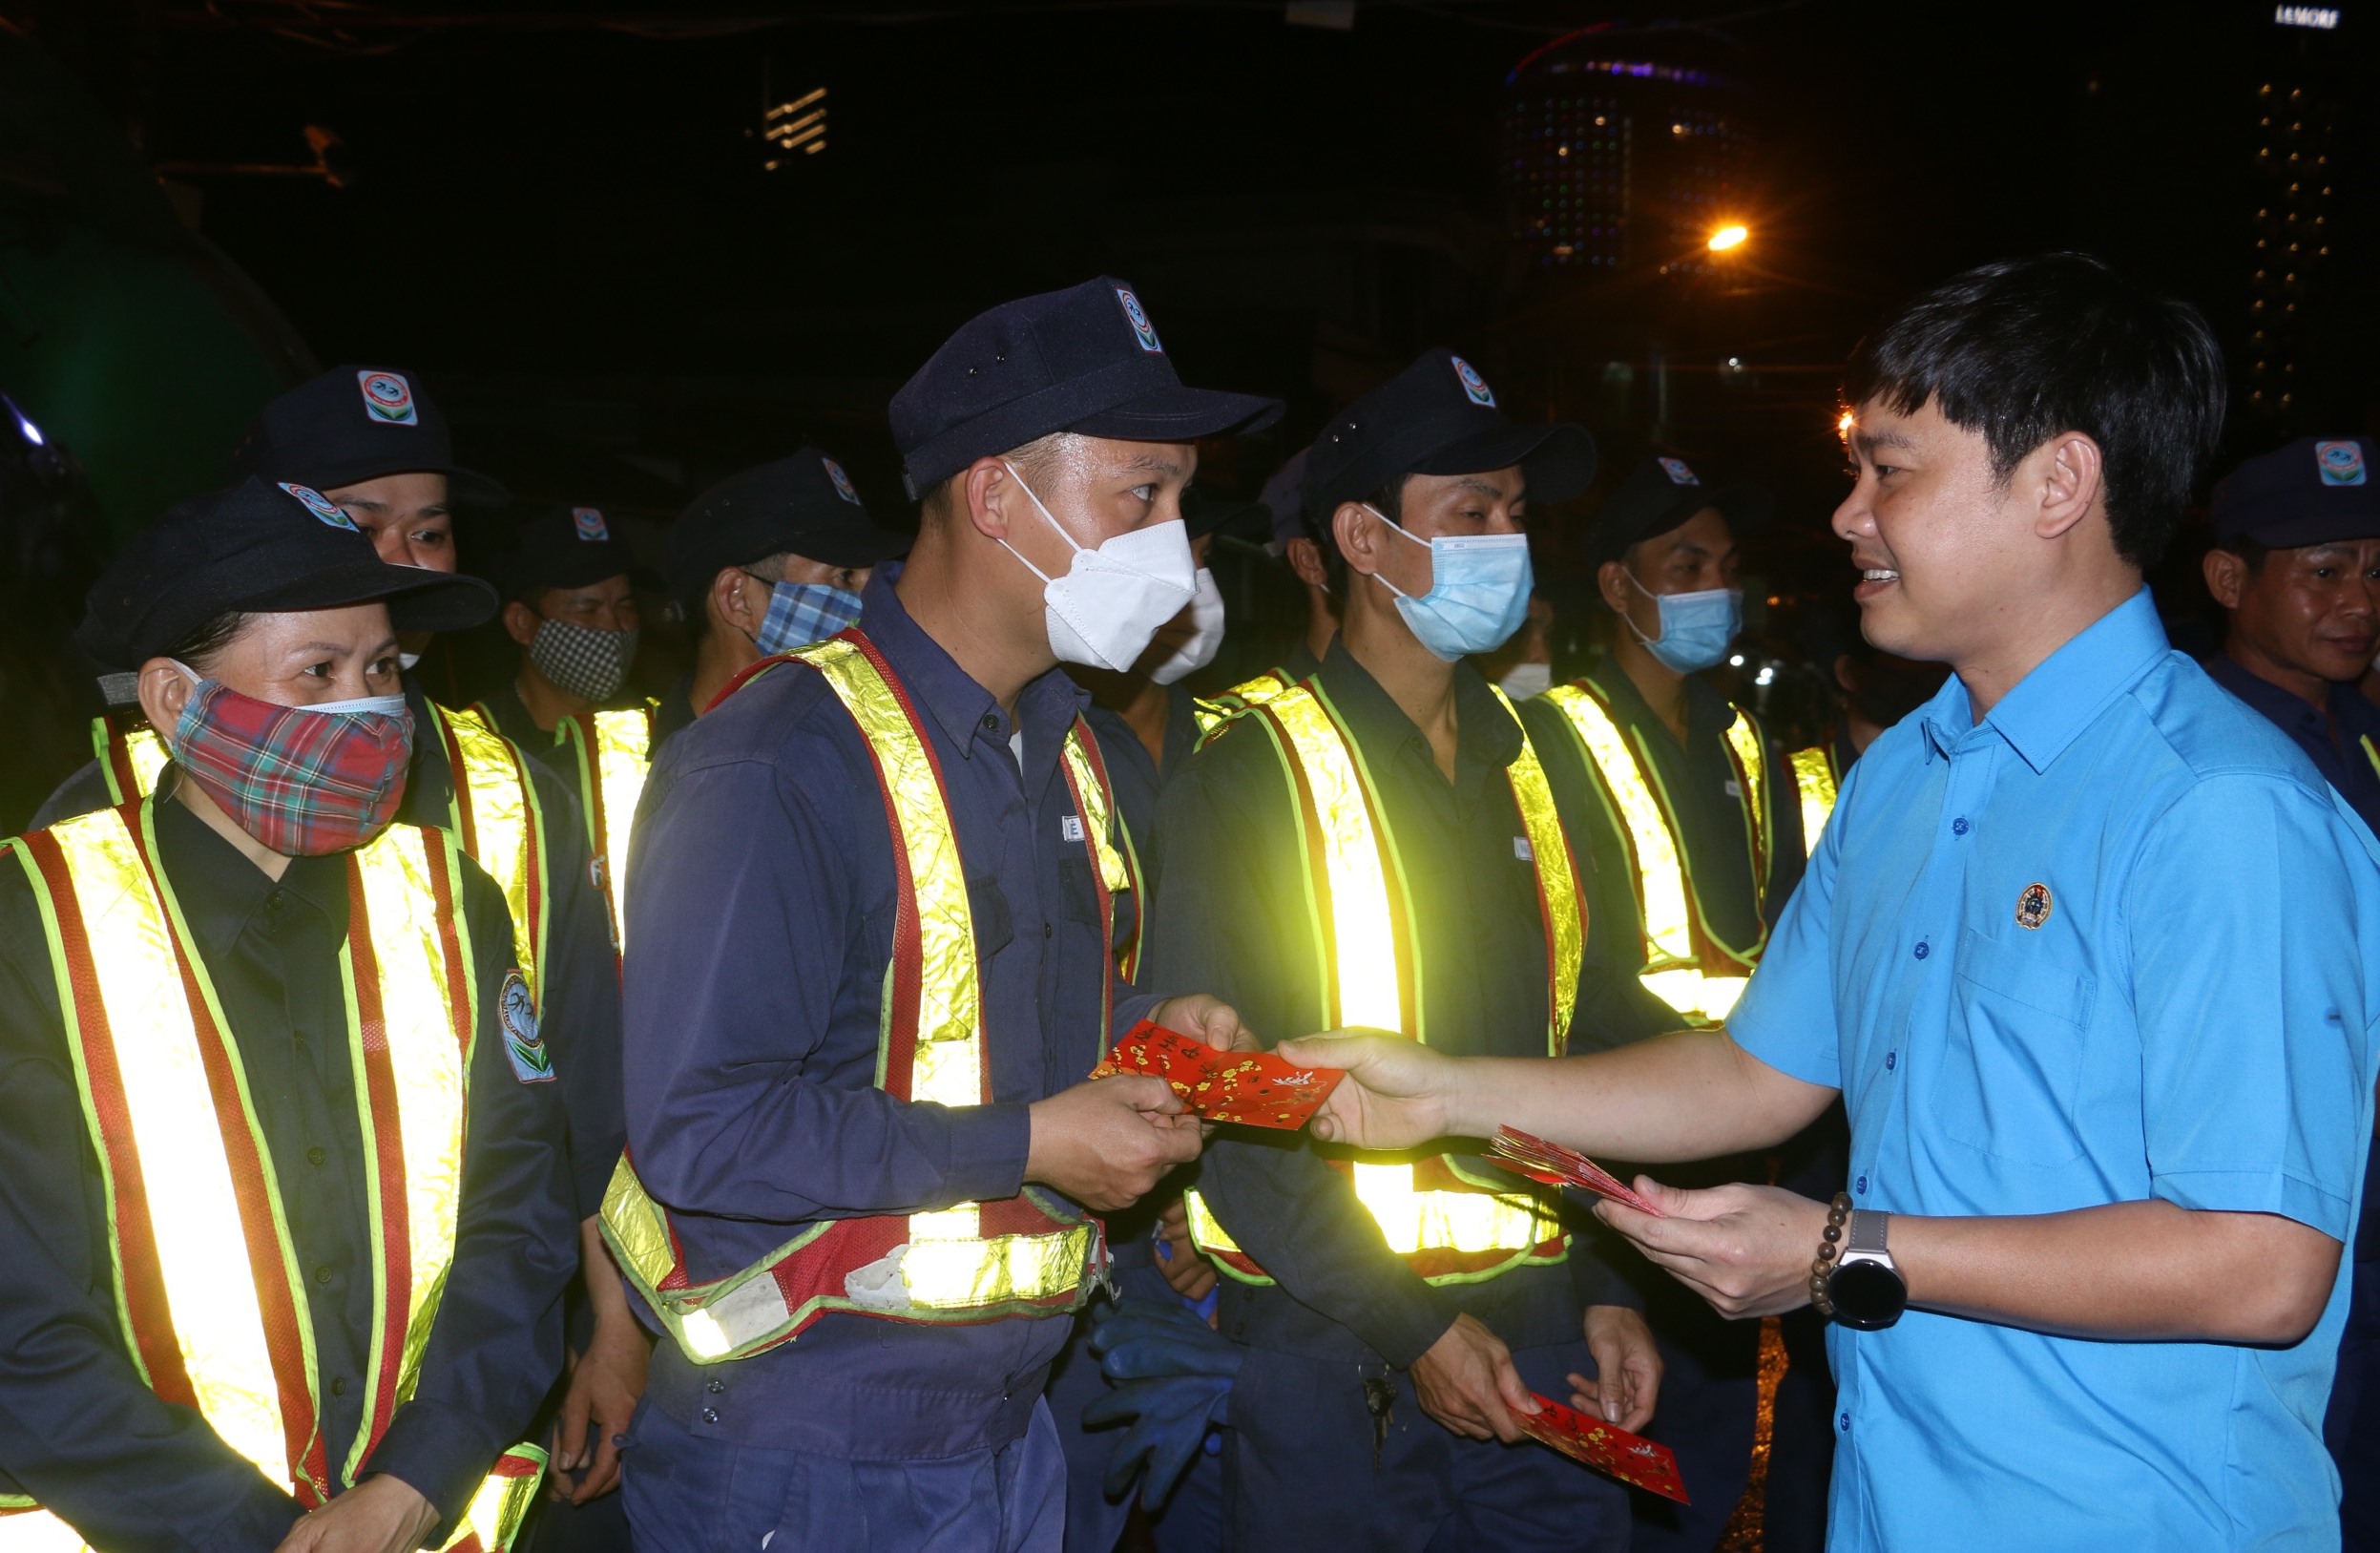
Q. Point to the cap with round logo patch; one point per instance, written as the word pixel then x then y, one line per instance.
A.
pixel 803 505
pixel 1439 416
pixel 2312 491
pixel 565 547
pixel 353 423
pixel 1660 494
pixel 255 547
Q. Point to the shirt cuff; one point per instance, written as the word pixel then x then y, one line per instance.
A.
pixel 2252 1190
pixel 263 1520
pixel 989 1145
pixel 441 1452
pixel 1402 1320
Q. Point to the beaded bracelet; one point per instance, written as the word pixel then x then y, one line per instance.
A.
pixel 1838 1212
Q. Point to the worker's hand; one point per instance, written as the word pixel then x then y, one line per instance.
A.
pixel 600 1398
pixel 1746 1249
pixel 1203 1016
pixel 1185 1267
pixel 1627 1369
pixel 1467 1383
pixel 1106 1142
pixel 1397 1093
pixel 379 1515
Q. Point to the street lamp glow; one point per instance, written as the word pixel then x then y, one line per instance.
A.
pixel 1730 236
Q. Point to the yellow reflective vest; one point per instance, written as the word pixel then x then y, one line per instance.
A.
pixel 610 752
pixel 493 807
pixel 1816 779
pixel 1686 964
pixel 1030 1256
pixel 1213 713
pixel 1449 1223
pixel 207 1281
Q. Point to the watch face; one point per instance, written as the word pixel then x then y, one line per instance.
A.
pixel 1867 1296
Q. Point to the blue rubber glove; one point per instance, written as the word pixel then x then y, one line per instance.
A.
pixel 1172 1374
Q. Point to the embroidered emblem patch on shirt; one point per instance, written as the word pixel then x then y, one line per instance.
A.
pixel 523 1041
pixel 2033 907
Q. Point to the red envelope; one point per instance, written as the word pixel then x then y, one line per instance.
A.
pixel 1529 1155
pixel 1254 1089
pixel 1632 1458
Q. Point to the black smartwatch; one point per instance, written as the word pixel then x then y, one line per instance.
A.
pixel 1865 1288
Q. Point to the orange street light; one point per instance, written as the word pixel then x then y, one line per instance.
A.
pixel 1730 236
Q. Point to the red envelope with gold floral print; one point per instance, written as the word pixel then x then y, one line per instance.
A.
pixel 1254 1089
pixel 1607 1448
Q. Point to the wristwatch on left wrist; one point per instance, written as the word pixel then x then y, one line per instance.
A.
pixel 1865 1288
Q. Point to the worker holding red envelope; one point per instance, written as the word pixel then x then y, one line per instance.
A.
pixel 1395 860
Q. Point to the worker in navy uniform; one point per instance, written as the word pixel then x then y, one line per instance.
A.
pixel 159 1388
pixel 571 606
pixel 863 1220
pixel 771 557
pixel 1645 740
pixel 373 441
pixel 1389 1319
pixel 2296 568
pixel 1285 497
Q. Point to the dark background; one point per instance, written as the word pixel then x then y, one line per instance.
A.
pixel 559 216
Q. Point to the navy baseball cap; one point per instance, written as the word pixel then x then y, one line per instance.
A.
pixel 803 505
pixel 1439 416
pixel 257 547
pixel 566 547
pixel 1085 359
pixel 1284 493
pixel 2311 492
pixel 1660 494
pixel 1205 512
pixel 356 423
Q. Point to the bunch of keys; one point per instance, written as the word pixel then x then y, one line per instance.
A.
pixel 1379 1398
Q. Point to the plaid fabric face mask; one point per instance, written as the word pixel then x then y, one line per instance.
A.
pixel 801 613
pixel 583 661
pixel 303 779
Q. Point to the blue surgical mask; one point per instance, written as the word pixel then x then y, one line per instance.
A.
pixel 1695 627
pixel 1478 590
pixel 801 613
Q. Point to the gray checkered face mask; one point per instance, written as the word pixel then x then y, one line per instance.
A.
pixel 582 661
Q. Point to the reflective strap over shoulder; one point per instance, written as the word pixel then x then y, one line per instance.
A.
pixel 495 811
pixel 1562 904
pixel 1749 750
pixel 1816 780
pixel 1114 862
pixel 129 759
pixel 973 1262
pixel 1213 713
pixel 612 753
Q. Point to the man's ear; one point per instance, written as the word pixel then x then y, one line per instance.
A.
pixel 730 601
pixel 1847 675
pixel 1611 581
pixel 2072 480
pixel 2226 577
pixel 1359 533
pixel 987 495
pixel 165 690
pixel 1305 559
pixel 521 622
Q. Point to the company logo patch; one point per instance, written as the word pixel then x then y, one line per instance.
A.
pixel 1070 827
pixel 1678 471
pixel 590 524
pixel 1137 319
pixel 2342 463
pixel 523 1043
pixel 321 506
pixel 1474 387
pixel 2033 907
pixel 389 398
pixel 842 481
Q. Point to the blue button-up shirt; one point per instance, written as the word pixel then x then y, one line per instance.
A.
pixel 760 904
pixel 2115 942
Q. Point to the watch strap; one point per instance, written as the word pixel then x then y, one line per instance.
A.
pixel 1866 1232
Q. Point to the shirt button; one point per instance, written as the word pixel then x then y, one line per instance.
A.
pixel 1047 931
pixel 710 1414
pixel 339 1386
pixel 1844 1423
pixel 316 1156
pixel 716 1387
pixel 1891 1060
pixel 1959 827
pixel 1860 1186
pixel 992 721
pixel 322 1276
pixel 1923 950
pixel 274 901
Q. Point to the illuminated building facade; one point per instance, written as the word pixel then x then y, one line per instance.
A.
pixel 2301 159
pixel 1612 162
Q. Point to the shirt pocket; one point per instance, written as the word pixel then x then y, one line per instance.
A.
pixel 995 926
pixel 2012 1062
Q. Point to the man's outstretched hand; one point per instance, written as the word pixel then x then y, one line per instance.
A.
pixel 1746 1249
pixel 1397 1093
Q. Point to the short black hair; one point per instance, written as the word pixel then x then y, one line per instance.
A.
pixel 2023 349
pixel 2254 552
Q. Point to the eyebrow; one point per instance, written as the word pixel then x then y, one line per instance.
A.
pixel 1148 463
pixel 1868 442
pixel 1492 491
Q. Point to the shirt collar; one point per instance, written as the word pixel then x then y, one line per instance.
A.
pixel 1485 733
pixel 2049 708
pixel 220 891
pixel 1709 714
pixel 948 694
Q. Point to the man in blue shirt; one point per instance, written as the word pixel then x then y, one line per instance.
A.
pixel 2296 567
pixel 776 919
pixel 2085 949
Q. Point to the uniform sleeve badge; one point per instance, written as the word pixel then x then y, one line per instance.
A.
pixel 523 1041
